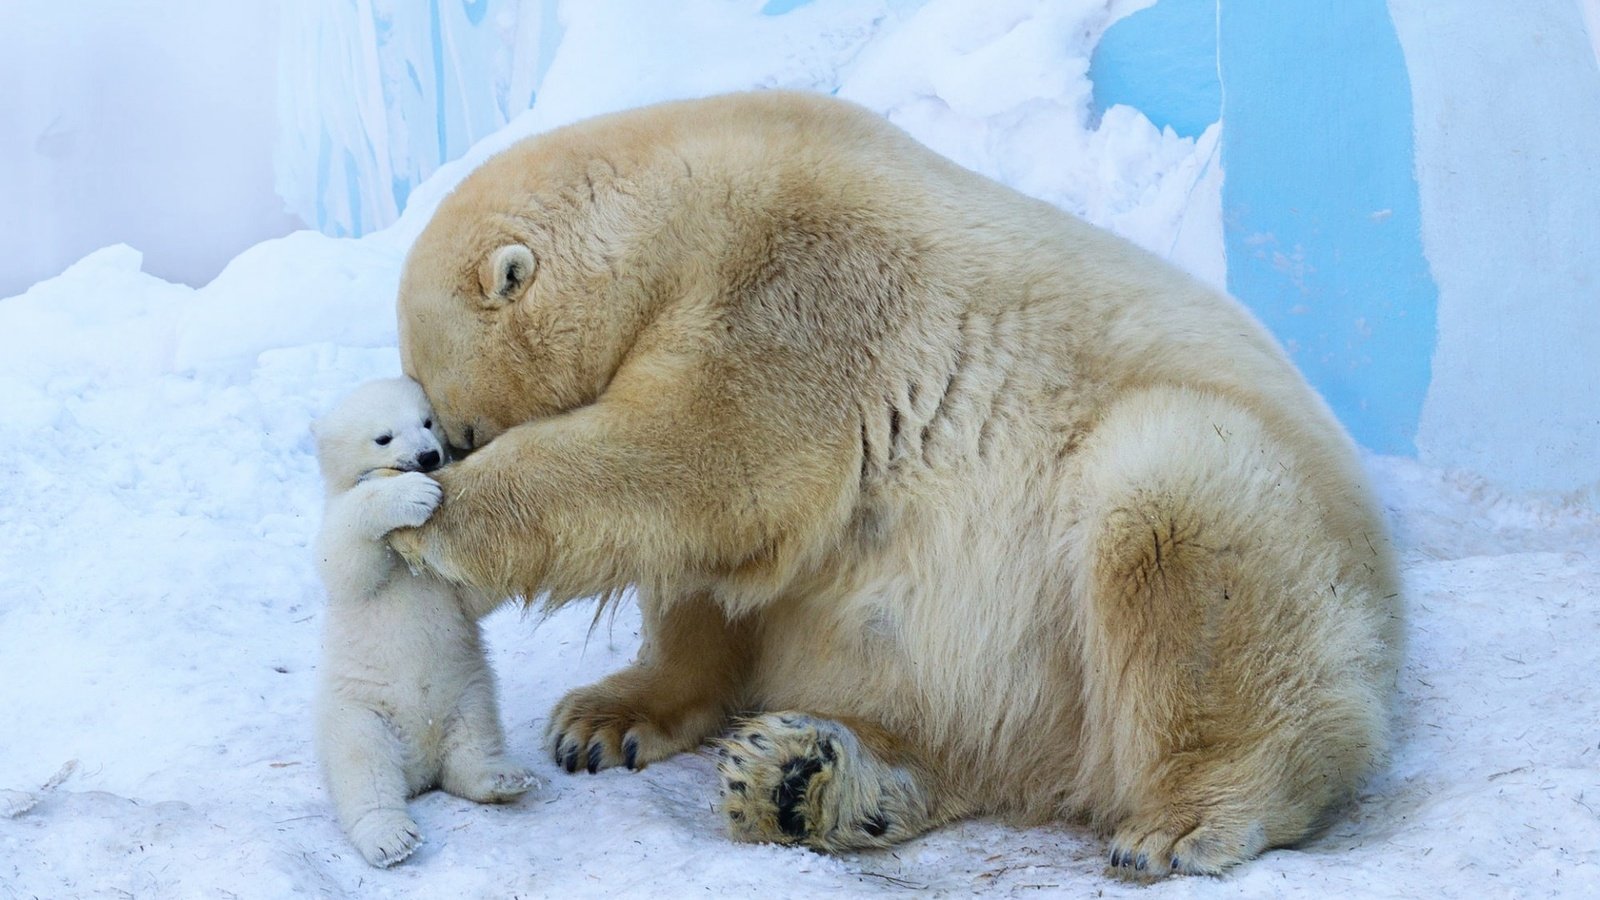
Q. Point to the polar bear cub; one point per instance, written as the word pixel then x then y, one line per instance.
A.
pixel 406 701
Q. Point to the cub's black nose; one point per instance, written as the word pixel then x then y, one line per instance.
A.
pixel 428 460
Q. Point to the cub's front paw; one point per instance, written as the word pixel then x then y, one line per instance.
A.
pixel 410 499
pixel 15 803
pixel 385 837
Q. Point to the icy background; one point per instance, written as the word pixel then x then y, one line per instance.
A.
pixel 159 613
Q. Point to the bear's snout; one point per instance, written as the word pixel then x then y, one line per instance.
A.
pixel 428 460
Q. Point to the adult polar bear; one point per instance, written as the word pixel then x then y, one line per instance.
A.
pixel 975 507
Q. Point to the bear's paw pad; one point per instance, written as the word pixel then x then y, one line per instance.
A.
pixel 786 779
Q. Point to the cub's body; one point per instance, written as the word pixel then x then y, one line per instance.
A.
pixel 406 700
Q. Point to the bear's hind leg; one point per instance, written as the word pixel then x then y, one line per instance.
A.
pixel 793 778
pixel 1232 638
pixel 675 695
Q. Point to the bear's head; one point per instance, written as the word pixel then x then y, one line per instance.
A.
pixel 526 290
pixel 383 424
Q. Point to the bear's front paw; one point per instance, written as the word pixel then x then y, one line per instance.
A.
pixel 385 836
pixel 623 721
pixel 410 499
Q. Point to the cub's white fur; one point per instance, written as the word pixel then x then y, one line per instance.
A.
pixel 407 700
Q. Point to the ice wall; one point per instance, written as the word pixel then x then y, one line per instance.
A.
pixel 373 95
pixel 148 122
pixel 1411 203
pixel 1319 205
pixel 374 101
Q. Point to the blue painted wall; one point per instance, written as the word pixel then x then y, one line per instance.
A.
pixel 1320 206
pixel 1321 218
pixel 1162 61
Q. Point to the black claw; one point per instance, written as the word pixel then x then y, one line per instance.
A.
pixel 829 754
pixel 1175 863
pixel 736 786
pixel 594 759
pixel 570 760
pixel 756 740
pixel 736 760
pixel 1116 858
pixel 630 753
pixel 797 775
pixel 560 739
pixel 875 826
pixel 1141 862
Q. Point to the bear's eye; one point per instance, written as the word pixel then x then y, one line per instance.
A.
pixel 427 423
pixel 383 441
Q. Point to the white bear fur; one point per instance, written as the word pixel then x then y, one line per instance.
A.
pixel 407 699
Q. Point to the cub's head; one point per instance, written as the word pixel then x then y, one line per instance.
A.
pixel 383 424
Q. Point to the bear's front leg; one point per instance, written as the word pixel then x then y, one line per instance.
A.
pixel 678 692
pixel 615 494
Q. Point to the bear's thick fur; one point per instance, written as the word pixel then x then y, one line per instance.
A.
pixel 974 507
pixel 406 699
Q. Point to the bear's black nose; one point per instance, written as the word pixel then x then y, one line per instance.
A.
pixel 428 460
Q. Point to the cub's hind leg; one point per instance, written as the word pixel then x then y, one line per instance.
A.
pixel 474 763
pixel 678 692
pixel 1233 633
pixel 362 762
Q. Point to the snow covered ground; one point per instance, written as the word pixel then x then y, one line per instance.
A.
pixel 159 617
pixel 159 613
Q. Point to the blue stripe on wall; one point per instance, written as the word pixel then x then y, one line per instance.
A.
pixel 1162 61
pixel 1320 205
pixel 779 7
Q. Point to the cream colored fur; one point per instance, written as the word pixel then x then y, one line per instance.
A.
pixel 406 699
pixel 978 508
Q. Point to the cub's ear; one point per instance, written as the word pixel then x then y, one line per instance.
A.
pixel 505 274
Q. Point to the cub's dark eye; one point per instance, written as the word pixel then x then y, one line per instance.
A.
pixel 383 440
pixel 427 423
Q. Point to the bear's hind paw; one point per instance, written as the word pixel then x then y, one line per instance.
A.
pixel 791 778
pixel 1146 848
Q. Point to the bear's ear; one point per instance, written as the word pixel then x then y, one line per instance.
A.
pixel 505 274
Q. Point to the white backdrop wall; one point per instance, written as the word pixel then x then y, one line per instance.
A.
pixel 148 122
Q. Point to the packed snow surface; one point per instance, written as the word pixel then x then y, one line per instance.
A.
pixel 160 614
